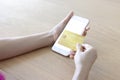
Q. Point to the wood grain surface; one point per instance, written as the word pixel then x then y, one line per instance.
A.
pixel 25 17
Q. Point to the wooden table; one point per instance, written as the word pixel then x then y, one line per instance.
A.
pixel 25 17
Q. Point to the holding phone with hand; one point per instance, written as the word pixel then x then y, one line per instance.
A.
pixel 73 33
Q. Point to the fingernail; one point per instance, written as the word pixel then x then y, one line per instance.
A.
pixel 82 48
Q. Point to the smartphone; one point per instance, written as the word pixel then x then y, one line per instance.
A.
pixel 71 35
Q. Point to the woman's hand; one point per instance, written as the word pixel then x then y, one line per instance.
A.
pixel 84 55
pixel 84 58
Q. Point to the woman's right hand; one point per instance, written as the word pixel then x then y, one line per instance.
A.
pixel 84 55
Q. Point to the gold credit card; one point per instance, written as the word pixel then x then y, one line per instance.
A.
pixel 70 39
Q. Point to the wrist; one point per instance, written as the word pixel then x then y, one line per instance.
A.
pixel 77 73
pixel 81 73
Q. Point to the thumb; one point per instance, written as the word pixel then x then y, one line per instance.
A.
pixel 78 46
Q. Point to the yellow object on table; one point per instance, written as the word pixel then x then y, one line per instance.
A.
pixel 70 39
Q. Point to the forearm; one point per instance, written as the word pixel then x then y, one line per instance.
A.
pixel 84 61
pixel 10 47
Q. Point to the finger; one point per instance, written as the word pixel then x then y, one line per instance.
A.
pixel 87 47
pixel 78 46
pixel 82 48
pixel 87 28
pixel 85 31
pixel 68 17
pixel 71 56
